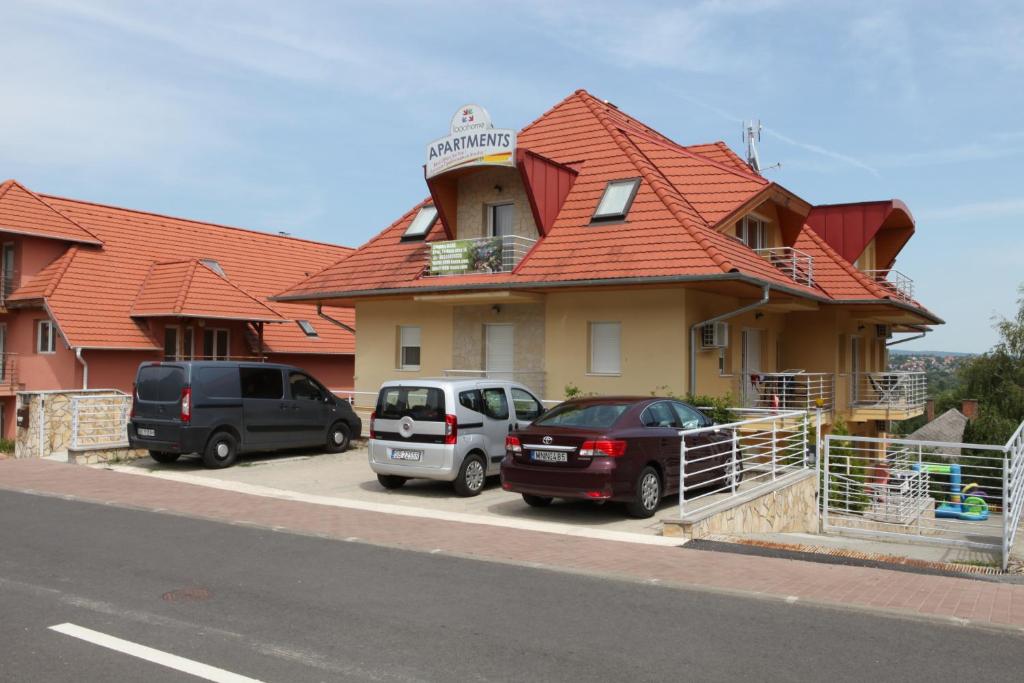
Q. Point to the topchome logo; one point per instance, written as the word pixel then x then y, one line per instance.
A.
pixel 472 141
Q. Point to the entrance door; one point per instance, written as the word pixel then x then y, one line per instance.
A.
pixel 499 358
pixel 751 366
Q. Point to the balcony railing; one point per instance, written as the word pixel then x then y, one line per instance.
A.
pixel 798 266
pixel 7 286
pixel 8 371
pixel 889 390
pixel 898 284
pixel 789 390
pixel 477 255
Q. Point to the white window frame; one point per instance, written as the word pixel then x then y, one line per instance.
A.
pixel 227 343
pixel 491 209
pixel 51 336
pixel 744 231
pixel 614 216
pixel 592 368
pixel 402 346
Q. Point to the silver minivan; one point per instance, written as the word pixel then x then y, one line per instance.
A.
pixel 446 429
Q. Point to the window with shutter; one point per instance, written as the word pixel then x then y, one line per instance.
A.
pixel 605 348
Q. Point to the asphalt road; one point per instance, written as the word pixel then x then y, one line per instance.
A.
pixel 281 607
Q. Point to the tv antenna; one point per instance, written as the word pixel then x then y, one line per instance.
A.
pixel 751 131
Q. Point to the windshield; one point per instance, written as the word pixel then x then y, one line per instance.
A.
pixel 588 416
pixel 424 404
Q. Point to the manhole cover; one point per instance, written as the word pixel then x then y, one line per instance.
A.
pixel 191 594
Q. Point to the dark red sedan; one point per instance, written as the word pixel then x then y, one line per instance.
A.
pixel 614 448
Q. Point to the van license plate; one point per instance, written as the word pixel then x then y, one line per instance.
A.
pixel 400 454
pixel 144 431
pixel 550 456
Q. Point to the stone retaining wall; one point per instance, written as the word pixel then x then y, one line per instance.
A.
pixel 52 412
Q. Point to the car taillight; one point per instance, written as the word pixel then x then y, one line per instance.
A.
pixel 513 444
pixel 613 449
pixel 373 418
pixel 186 404
pixel 451 429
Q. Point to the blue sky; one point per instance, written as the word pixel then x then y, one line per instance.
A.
pixel 313 117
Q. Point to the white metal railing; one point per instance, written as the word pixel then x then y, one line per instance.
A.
pixel 788 390
pixel 477 255
pixel 899 285
pixel 99 421
pixel 941 493
pixel 900 390
pixel 719 463
pixel 7 285
pixel 793 262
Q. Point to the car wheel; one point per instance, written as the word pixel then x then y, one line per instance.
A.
pixel 338 437
pixel 221 451
pixel 648 494
pixel 472 476
pixel 537 501
pixel 391 481
pixel 164 457
pixel 734 477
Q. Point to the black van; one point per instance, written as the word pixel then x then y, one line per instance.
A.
pixel 222 408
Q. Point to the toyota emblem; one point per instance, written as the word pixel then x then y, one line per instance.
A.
pixel 547 440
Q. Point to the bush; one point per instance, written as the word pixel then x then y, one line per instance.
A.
pixel 6 445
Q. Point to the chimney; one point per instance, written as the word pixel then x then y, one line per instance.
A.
pixel 969 407
pixel 929 409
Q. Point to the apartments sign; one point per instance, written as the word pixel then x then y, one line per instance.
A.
pixel 472 141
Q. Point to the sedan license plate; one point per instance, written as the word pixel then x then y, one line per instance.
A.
pixel 402 454
pixel 146 431
pixel 550 456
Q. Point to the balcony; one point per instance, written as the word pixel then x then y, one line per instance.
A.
pixel 895 282
pixel 798 266
pixel 7 287
pixel 8 374
pixel 789 390
pixel 888 395
pixel 477 255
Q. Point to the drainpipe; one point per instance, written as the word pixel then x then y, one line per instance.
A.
pixel 85 367
pixel 320 313
pixel 718 318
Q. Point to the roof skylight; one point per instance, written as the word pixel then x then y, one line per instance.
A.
pixel 214 265
pixel 308 328
pixel 616 200
pixel 422 224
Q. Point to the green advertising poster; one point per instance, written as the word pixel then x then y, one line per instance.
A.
pixel 466 256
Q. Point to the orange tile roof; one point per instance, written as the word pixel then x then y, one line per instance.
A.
pixel 26 213
pixel 91 290
pixel 192 289
pixel 685 195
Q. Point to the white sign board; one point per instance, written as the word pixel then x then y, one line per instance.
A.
pixel 472 141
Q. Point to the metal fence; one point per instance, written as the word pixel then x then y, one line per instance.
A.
pixel 903 390
pixel 99 421
pixel 955 494
pixel 719 463
pixel 793 262
pixel 900 285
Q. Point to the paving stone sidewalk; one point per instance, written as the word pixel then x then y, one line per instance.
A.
pixel 980 603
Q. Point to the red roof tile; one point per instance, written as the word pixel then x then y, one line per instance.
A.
pixel 672 228
pixel 191 289
pixel 26 213
pixel 91 290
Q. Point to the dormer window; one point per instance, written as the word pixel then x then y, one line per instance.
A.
pixel 615 202
pixel 422 224
pixel 753 232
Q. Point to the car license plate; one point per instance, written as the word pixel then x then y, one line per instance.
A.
pixel 550 456
pixel 145 431
pixel 401 454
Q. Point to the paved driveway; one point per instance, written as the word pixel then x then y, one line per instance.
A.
pixel 347 476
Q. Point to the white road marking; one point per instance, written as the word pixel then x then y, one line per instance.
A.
pixel 408 511
pixel 188 666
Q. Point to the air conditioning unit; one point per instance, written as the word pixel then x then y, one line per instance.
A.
pixel 714 336
pixel 883 331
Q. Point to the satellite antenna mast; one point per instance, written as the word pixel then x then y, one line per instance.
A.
pixel 752 136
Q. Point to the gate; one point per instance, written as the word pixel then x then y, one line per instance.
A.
pixel 934 492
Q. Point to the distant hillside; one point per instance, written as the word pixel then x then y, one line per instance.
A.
pixel 907 352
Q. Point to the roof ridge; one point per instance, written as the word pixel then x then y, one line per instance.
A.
pixel 68 257
pixel 863 279
pixel 60 213
pixel 186 285
pixel 658 183
pixel 5 186
pixel 198 222
pixel 552 108
pixel 231 284
pixel 707 160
